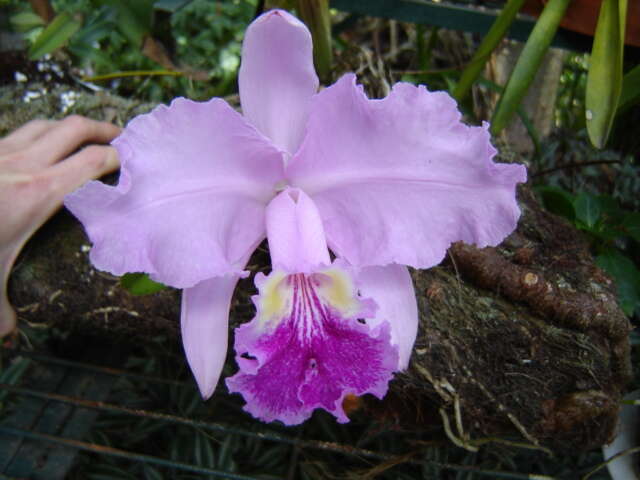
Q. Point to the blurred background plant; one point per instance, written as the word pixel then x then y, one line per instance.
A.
pixel 199 42
pixel 153 50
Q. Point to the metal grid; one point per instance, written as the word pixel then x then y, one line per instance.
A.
pixel 47 423
pixel 466 15
pixel 58 420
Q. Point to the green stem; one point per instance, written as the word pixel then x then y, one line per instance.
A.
pixel 132 73
pixel 489 43
pixel 420 47
pixel 528 63
pixel 604 81
pixel 316 15
pixel 431 43
pixel 630 90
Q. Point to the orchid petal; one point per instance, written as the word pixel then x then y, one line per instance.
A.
pixel 296 238
pixel 277 78
pixel 397 180
pixel 190 203
pixel 392 289
pixel 204 323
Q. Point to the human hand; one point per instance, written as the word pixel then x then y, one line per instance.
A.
pixel 39 164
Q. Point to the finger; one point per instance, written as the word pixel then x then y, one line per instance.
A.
pixel 89 163
pixel 25 135
pixel 67 136
pixel 7 315
pixel 40 195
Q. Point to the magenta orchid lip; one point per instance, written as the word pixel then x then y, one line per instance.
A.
pixel 382 184
pixel 309 346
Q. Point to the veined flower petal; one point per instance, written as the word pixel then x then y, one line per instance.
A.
pixel 309 346
pixel 397 180
pixel 194 183
pixel 277 78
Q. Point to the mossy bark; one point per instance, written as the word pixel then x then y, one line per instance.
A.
pixel 523 341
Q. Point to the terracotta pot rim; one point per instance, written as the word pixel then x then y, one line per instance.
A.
pixel 582 15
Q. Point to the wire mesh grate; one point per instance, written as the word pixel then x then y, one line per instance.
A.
pixel 53 409
pixel 50 419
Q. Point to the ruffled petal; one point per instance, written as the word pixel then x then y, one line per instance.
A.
pixel 294 229
pixel 309 346
pixel 190 202
pixel 277 78
pixel 204 323
pixel 397 180
pixel 392 289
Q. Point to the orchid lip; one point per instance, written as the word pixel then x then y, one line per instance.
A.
pixel 308 347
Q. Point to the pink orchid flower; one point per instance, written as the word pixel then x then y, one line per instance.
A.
pixel 380 183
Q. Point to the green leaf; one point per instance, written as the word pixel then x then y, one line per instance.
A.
pixel 424 50
pixel 588 209
pixel 524 117
pixel 612 212
pixel 631 225
pixel 315 14
pixel 226 453
pixel 630 94
pixel 528 63
pixel 207 454
pixel 170 6
pixel 197 449
pixel 604 81
pixel 557 201
pixel 489 43
pixel 134 18
pixel 609 205
pixel 55 35
pixel 100 26
pixel 151 473
pixel 25 21
pixel 626 276
pixel 140 284
pixel 14 372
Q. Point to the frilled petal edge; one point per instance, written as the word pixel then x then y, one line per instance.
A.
pixel 397 180
pixel 190 202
